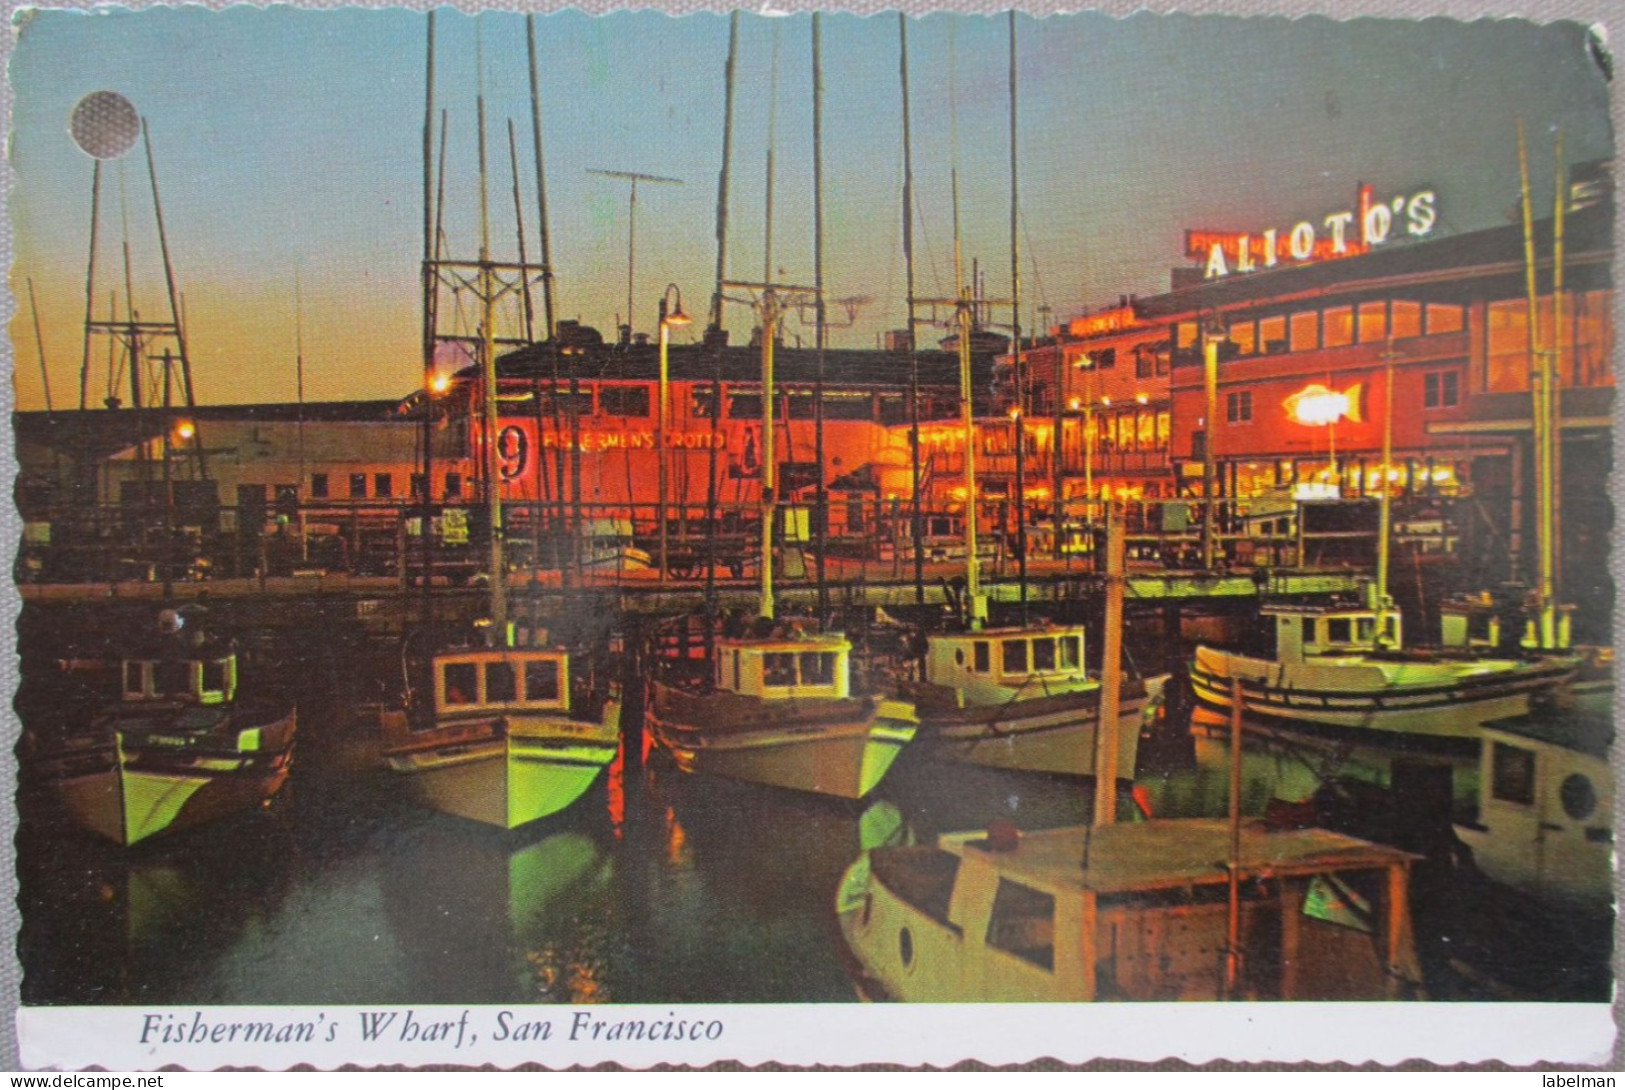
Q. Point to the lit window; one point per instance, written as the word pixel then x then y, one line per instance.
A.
pixel 1373 322
pixel 1306 331
pixel 818 668
pixel 1339 327
pixel 1405 319
pixel 778 668
pixel 1444 319
pixel 1069 652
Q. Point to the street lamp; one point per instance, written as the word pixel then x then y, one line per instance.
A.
pixel 668 318
pixel 1213 331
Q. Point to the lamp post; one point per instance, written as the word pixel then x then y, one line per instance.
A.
pixel 1213 332
pixel 668 317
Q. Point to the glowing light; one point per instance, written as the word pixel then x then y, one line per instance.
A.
pixel 439 384
pixel 1106 401
pixel 1075 404
pixel 1141 398
pixel 1317 406
pixel 185 430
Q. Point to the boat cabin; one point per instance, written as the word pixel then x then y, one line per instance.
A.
pixel 501 680
pixel 1545 820
pixel 816 667
pixel 997 661
pixel 1134 912
pixel 1479 622
pixel 1302 633
pixel 210 678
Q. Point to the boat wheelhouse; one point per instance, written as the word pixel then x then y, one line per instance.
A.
pixel 1021 698
pixel 1342 668
pixel 501 735
pixel 1545 822
pixel 1130 912
pixel 180 747
pixel 781 711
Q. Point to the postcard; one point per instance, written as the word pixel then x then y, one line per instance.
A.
pixel 627 538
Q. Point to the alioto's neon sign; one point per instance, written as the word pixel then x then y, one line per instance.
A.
pixel 1341 234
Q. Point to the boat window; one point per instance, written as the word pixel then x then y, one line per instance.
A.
pixel 501 683
pixel 778 668
pixel 172 678
pixel 1044 654
pixel 1512 773
pixel 1308 629
pixel 1023 924
pixel 1337 629
pixel 983 661
pixel 1015 656
pixel 214 676
pixel 1579 797
pixel 1367 629
pixel 818 667
pixel 1071 652
pixel 135 678
pixel 1390 628
pixel 541 679
pixel 461 680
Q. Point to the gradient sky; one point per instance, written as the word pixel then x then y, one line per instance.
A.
pixel 288 145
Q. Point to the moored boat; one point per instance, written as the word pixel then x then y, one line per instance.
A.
pixel 780 711
pixel 1545 821
pixel 500 735
pixel 1340 668
pixel 179 748
pixel 1020 698
pixel 1130 912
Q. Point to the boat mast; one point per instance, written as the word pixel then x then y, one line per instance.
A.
pixel 1541 403
pixel 975 604
pixel 821 497
pixel 488 374
pixel 1552 636
pixel 1015 341
pixel 1386 503
pixel 916 524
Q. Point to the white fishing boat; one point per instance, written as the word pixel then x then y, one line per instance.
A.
pixel 1020 698
pixel 179 748
pixel 780 711
pixel 500 735
pixel 1545 822
pixel 1130 912
pixel 1343 668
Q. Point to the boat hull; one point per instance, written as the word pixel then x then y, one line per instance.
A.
pixel 828 747
pixel 1444 701
pixel 505 773
pixel 1055 734
pixel 129 794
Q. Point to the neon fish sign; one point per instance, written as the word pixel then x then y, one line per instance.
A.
pixel 1317 406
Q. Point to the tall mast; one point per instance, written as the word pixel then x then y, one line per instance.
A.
pixel 541 179
pixel 90 280
pixel 1540 406
pixel 770 321
pixel 976 607
pixel 1015 339
pixel 722 177
pixel 178 331
pixel 1385 504
pixel 488 373
pixel 1552 382
pixel 821 500
pixel 916 523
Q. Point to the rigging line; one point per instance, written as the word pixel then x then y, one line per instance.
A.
pixel 1032 258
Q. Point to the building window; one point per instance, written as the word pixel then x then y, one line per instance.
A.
pixel 318 486
pixel 1306 331
pixel 358 486
pixel 1405 319
pixel 1272 334
pixel 1244 335
pixel 1444 319
pixel 1238 407
pixel 454 486
pixel 565 403
pixel 1373 322
pixel 1104 358
pixel 1441 389
pixel 624 400
pixel 383 485
pixel 1339 327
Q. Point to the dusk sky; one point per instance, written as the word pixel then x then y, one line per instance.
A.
pixel 288 145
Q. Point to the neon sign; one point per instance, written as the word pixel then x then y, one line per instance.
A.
pixel 1317 406
pixel 1346 234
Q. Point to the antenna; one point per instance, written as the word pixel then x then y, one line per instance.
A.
pixel 632 223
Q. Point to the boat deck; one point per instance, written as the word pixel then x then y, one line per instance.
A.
pixel 1173 853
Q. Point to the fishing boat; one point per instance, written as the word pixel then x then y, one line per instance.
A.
pixel 179 747
pixel 502 727
pixel 780 711
pixel 502 735
pixel 1020 698
pixel 1343 668
pixel 777 705
pixel 1545 821
pixel 1130 912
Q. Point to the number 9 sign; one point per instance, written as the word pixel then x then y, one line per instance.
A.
pixel 513 451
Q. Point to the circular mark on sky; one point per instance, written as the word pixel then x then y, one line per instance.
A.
pixel 105 125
